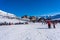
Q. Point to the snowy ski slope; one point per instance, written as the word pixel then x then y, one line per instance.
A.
pixel 32 31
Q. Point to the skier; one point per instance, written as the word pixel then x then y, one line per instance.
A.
pixel 53 24
pixel 49 24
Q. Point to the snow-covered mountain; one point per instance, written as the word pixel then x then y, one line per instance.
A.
pixel 53 16
pixel 3 13
pixel 56 16
pixel 4 16
pixel 9 17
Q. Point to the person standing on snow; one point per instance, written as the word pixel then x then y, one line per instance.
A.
pixel 49 24
pixel 53 24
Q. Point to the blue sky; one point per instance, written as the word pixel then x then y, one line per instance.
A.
pixel 30 7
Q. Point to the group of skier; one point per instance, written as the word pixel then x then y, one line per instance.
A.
pixel 49 24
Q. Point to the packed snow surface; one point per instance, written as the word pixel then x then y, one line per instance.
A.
pixel 32 31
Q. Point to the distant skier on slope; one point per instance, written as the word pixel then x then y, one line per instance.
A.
pixel 54 24
pixel 49 24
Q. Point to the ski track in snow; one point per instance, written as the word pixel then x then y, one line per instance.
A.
pixel 35 31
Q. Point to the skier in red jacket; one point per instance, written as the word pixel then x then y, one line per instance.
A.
pixel 49 24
